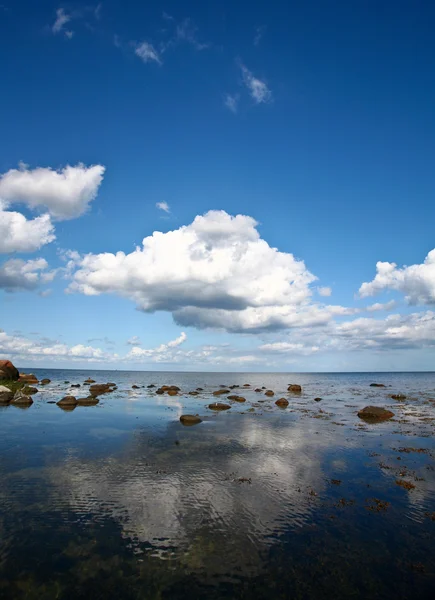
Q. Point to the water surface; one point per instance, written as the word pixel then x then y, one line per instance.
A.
pixel 121 500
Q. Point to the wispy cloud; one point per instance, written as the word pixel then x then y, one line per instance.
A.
pixel 146 52
pixel 258 89
pixel 232 102
pixel 163 206
pixel 62 18
pixel 134 341
pixel 186 31
pixel 259 33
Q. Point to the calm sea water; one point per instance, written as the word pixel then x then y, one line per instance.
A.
pixel 121 500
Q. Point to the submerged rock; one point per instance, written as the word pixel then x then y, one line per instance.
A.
pixel 269 393
pixel 317 399
pixel 294 387
pixel 75 385
pixel 200 389
pixel 282 402
pixel 193 393
pixel 219 406
pixel 398 396
pixel 8 371
pixel 45 381
pixel 89 401
pixel 220 392
pixel 236 398
pixel 258 390
pixel 151 385
pixel 134 387
pixel 21 399
pixel 190 419
pixel 5 395
pixel 373 414
pixel 377 385
pixel 67 401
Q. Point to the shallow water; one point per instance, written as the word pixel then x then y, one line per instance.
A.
pixel 121 500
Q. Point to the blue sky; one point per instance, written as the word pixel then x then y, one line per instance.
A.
pixel 290 147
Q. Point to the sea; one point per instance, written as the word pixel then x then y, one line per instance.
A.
pixel 121 500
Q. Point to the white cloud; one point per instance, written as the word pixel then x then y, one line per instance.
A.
pixel 146 52
pixel 160 353
pixel 18 234
pixel 215 272
pixel 186 31
pixel 417 282
pixel 163 206
pixel 378 306
pixel 232 102
pixel 258 90
pixel 259 32
pixel 288 348
pixel 69 34
pixel 134 341
pixel 61 19
pixel 66 193
pixel 17 274
pixel 324 291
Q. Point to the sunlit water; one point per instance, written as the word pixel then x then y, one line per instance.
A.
pixel 122 501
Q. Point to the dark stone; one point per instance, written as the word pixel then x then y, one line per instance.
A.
pixel 75 385
pixel 374 414
pixel 89 401
pixel 134 387
pixel 258 390
pixel 190 419
pixel 193 393
pixel 200 389
pixel 236 398
pixel 21 399
pixel 377 385
pixel 317 399
pixel 294 387
pixel 67 401
pixel 89 380
pixel 269 393
pixel 151 385
pixel 282 402
pixel 5 395
pixel 29 391
pixel 398 396
pixel 99 388
pixel 45 381
pixel 220 392
pixel 219 406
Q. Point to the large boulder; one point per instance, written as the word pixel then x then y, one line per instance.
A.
pixel 5 395
pixel 375 414
pixel 8 371
pixel 21 399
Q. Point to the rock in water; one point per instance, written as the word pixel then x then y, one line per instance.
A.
pixel 89 380
pixel 89 401
pixel 45 381
pixel 282 402
pixel 172 392
pixel 21 399
pixel 236 398
pixel 5 395
pixel 99 388
pixel 294 387
pixel 219 406
pixel 190 419
pixel 67 401
pixel 269 393
pixel 377 385
pixel 220 392
pixel 317 399
pixel 8 371
pixel 373 414
pixel 29 391
pixel 28 378
pixel 134 387
pixel 398 396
